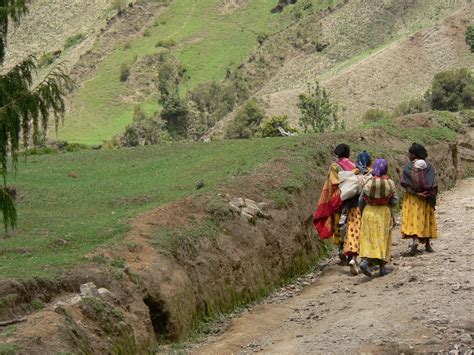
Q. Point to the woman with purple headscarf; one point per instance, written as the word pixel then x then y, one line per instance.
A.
pixel 376 227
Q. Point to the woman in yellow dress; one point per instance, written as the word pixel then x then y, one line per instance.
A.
pixel 420 181
pixel 376 227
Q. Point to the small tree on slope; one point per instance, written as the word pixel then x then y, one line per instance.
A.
pixel 24 109
pixel 318 112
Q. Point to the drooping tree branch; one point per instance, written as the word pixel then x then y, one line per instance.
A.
pixel 25 111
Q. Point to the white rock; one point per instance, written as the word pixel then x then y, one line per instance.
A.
pixel 239 202
pixel 89 289
pixel 104 293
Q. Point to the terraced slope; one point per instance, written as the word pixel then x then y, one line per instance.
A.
pixel 378 55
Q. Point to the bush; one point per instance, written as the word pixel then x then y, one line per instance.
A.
pixel 375 114
pixel 262 37
pixel 318 112
pixel 74 40
pixel 127 45
pixel 467 117
pixel 146 33
pixel 119 5
pixel 124 72
pixel 210 102
pixel 470 37
pixel 411 106
pixel 270 126
pixel 165 43
pixel 453 90
pixel 450 120
pixel 246 121
pixel 143 130
pixel 46 59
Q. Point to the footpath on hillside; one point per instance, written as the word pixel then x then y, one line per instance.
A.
pixel 425 304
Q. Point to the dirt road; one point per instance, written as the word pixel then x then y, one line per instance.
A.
pixel 425 304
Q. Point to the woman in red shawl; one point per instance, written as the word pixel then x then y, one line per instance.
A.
pixel 328 212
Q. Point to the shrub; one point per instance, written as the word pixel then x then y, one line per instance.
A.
pixel 262 37
pixel 470 37
pixel 411 106
pixel 119 5
pixel 127 45
pixel 467 117
pixel 375 114
pixel 453 90
pixel 450 120
pixel 146 33
pixel 165 43
pixel 246 121
pixel 46 59
pixel 37 304
pixel 74 40
pixel 318 112
pixel 124 72
pixel 270 126
pixel 143 130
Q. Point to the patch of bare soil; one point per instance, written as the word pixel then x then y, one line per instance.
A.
pixel 424 305
pixel 401 71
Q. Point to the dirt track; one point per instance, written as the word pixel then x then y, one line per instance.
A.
pixel 424 305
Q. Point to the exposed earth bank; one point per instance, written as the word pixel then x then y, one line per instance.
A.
pixel 200 257
pixel 424 305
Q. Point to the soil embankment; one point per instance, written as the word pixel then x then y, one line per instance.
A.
pixel 423 306
pixel 194 259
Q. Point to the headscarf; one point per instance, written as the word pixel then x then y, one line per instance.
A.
pixel 380 167
pixel 342 151
pixel 363 160
pixel 418 151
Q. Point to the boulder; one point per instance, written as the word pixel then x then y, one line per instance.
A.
pixel 106 294
pixel 89 289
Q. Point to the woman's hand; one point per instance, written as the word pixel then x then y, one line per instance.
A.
pixel 423 194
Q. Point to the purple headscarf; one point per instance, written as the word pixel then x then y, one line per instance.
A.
pixel 380 167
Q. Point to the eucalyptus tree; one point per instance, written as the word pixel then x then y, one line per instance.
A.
pixel 26 104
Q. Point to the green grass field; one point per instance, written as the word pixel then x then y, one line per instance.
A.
pixel 207 42
pixel 111 186
pixel 70 203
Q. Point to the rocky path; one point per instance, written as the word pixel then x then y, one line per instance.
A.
pixel 424 305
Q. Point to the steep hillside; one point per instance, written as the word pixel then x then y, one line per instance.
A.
pixel 369 54
pixel 207 36
pixel 399 66
pixel 48 25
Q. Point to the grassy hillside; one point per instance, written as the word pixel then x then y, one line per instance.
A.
pixel 207 42
pixel 70 203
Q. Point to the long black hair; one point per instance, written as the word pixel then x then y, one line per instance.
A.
pixel 418 151
pixel 342 151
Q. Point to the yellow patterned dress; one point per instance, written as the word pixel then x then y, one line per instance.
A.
pixel 352 238
pixel 376 234
pixel 418 218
